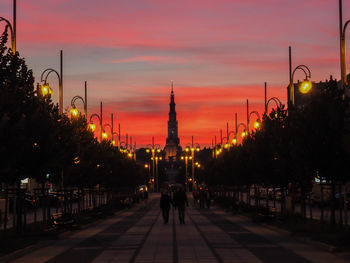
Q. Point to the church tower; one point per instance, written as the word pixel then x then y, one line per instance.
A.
pixel 172 142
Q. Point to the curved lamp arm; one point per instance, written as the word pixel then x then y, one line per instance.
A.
pixel 107 125
pixel 344 28
pixel 305 69
pixel 231 132
pixel 95 115
pixel 239 125
pixel 275 100
pixel 8 24
pixel 255 113
pixel 74 99
pixel 46 74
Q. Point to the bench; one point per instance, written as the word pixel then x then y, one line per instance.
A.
pixel 61 220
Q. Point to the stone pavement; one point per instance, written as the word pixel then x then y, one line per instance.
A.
pixel 209 235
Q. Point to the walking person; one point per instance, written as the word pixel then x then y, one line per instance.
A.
pixel 207 197
pixel 202 201
pixel 165 201
pixel 180 200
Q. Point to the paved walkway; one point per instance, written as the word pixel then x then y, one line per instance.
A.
pixel 209 235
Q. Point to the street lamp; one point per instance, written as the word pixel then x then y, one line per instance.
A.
pixel 193 147
pixel 305 86
pixel 186 158
pixel 99 117
pixel 274 99
pixel 45 89
pixel 12 27
pixel 74 111
pixel 244 132
pixel 344 80
pixel 228 133
pixel 154 149
pixel 249 115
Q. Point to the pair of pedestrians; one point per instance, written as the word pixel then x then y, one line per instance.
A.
pixel 179 202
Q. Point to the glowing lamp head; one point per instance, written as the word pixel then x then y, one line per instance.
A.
pixel 244 133
pixel 198 149
pixel 113 142
pixel 158 150
pixel 147 151
pixel 92 127
pixel 199 166
pixel 182 157
pixel 146 165
pixel 257 124
pixel 74 112
pixel 305 86
pixel 104 135
pixel 129 155
pixel 46 90
pixel 234 141
pixel 187 149
pixel 227 145
pixel 160 158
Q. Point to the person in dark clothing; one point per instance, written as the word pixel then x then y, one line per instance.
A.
pixel 165 201
pixel 202 201
pixel 207 197
pixel 180 199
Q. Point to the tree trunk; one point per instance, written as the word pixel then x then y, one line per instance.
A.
pixel 310 206
pixel 6 207
pixel 43 196
pixel 345 206
pixel 332 204
pixel 322 203
pixel 340 205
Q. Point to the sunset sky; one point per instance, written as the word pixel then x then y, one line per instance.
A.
pixel 218 52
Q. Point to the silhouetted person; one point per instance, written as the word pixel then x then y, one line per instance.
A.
pixel 195 197
pixel 202 202
pixel 180 200
pixel 207 197
pixel 165 201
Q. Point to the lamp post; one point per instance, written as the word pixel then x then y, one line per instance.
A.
pixel 186 158
pixel 12 27
pixel 99 117
pixel 45 89
pixel 153 148
pixel 267 101
pixel 244 133
pixel 74 111
pixel 110 126
pixel 249 115
pixel 148 167
pixel 305 86
pixel 344 80
pixel 192 147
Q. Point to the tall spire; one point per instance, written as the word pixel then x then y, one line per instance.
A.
pixel 172 86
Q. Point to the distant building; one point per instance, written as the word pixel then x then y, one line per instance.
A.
pixel 172 147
